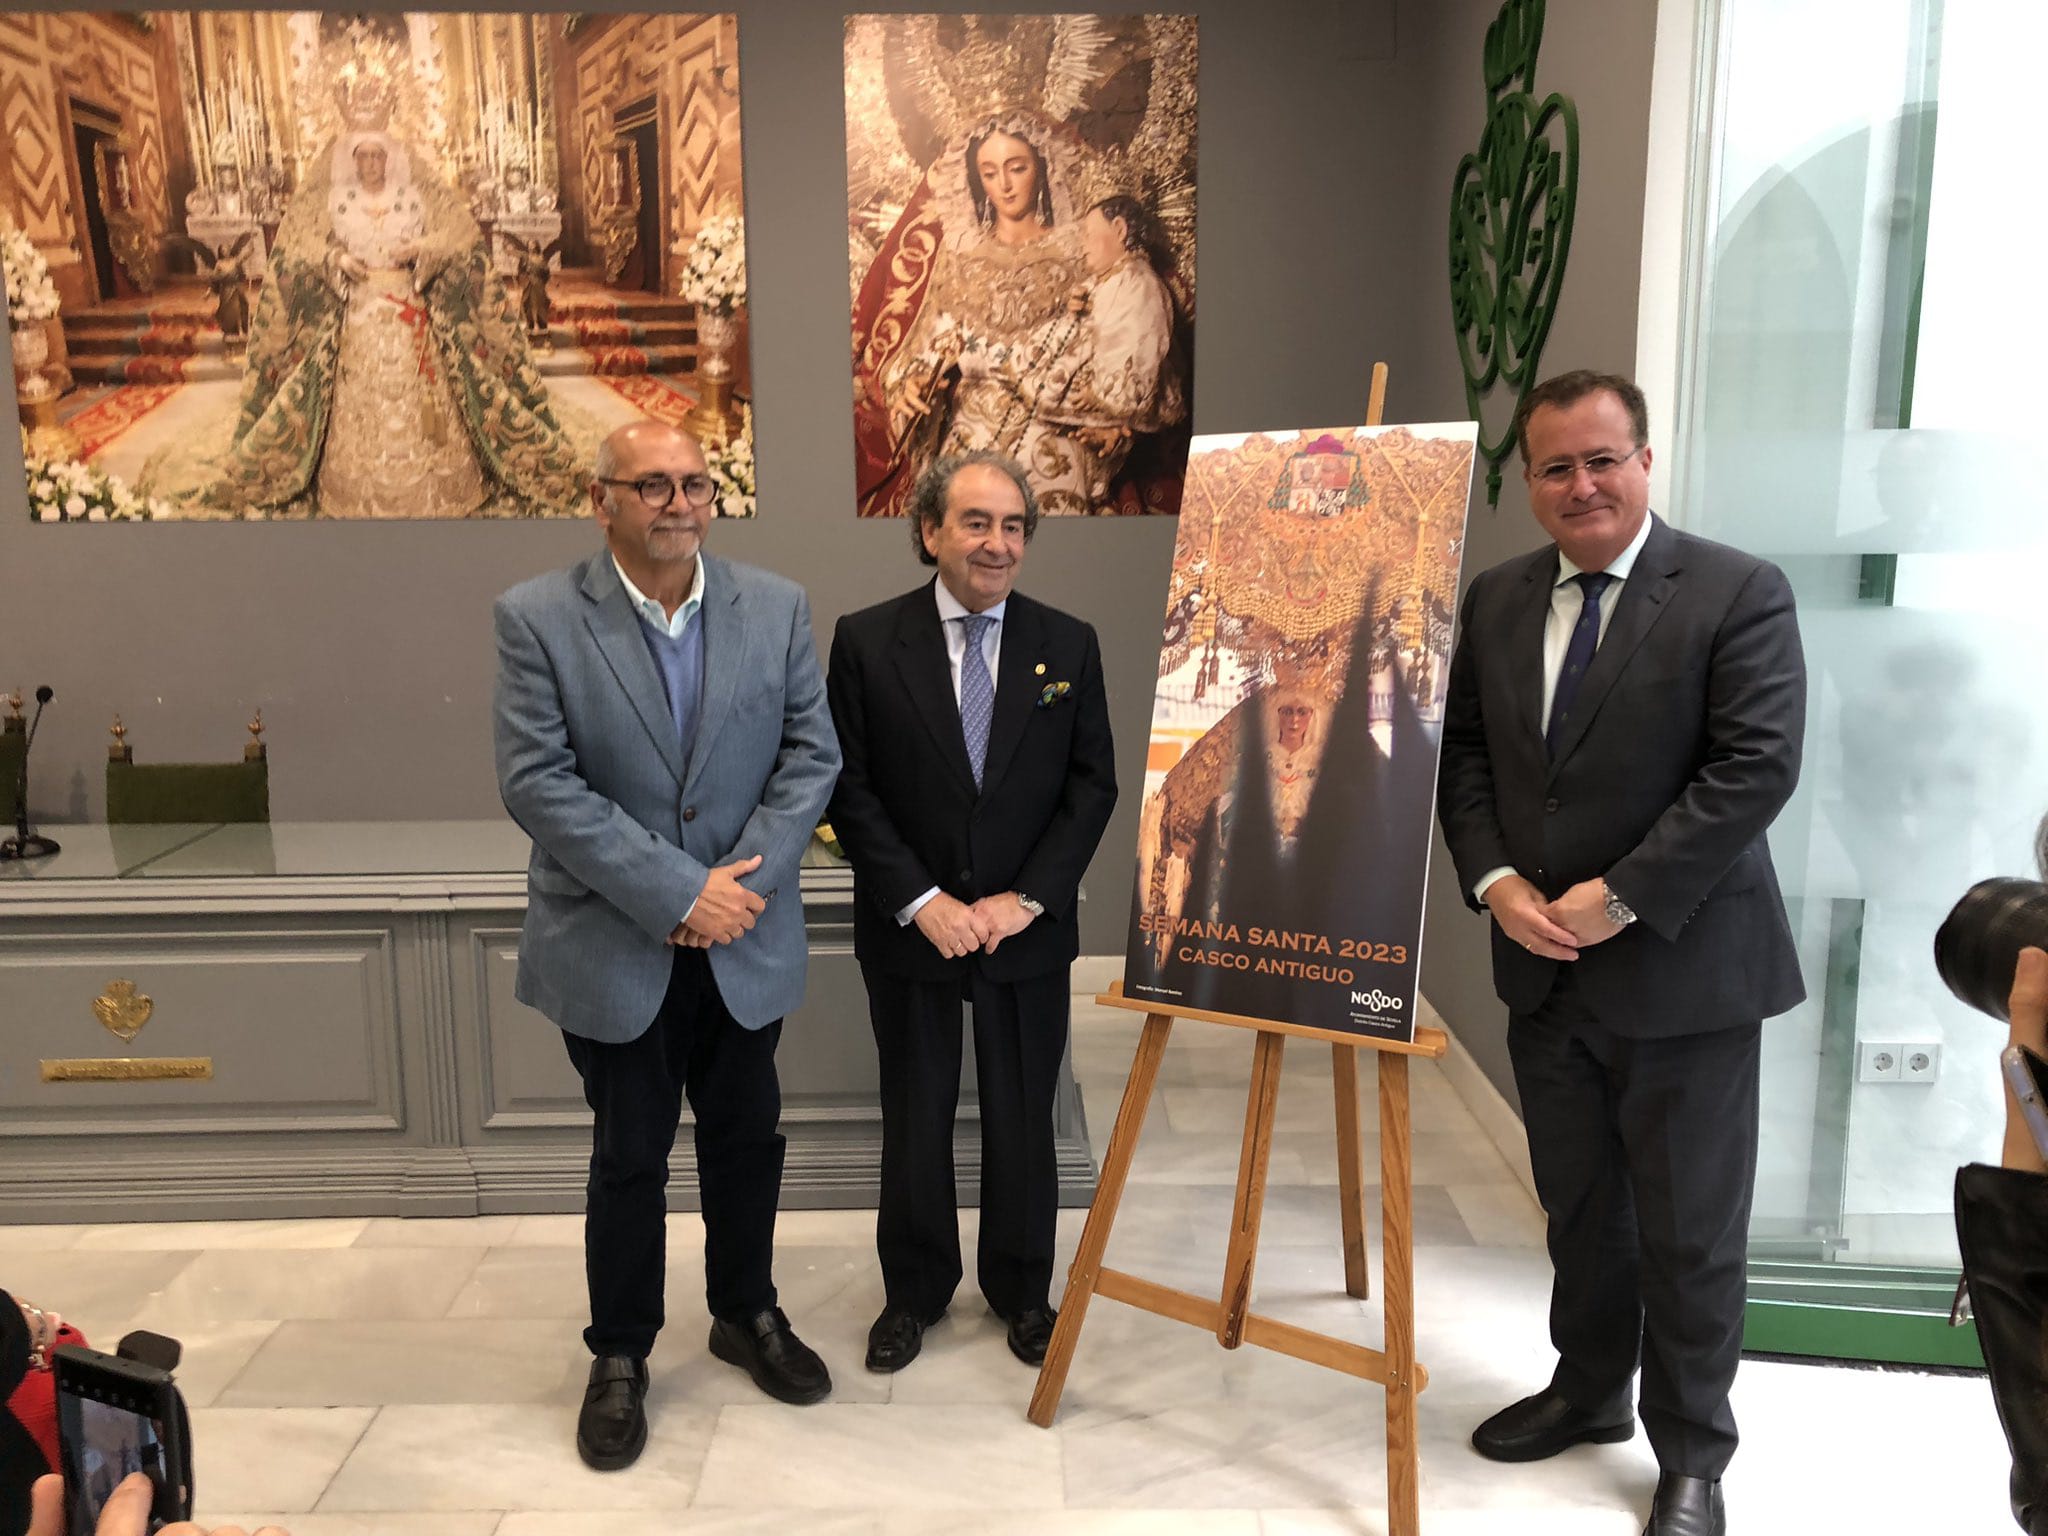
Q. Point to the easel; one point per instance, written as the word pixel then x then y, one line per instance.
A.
pixel 1230 1317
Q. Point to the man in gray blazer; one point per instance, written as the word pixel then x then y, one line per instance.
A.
pixel 662 736
pixel 1624 721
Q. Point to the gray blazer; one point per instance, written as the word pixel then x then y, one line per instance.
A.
pixel 624 831
pixel 1683 746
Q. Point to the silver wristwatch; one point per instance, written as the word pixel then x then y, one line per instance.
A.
pixel 1035 908
pixel 1618 911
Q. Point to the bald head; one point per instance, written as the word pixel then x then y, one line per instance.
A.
pixel 636 442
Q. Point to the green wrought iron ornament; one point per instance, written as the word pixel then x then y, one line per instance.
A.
pixel 1512 202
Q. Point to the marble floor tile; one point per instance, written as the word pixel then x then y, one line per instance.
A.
pixel 533 1283
pixel 213 1357
pixel 1076 1522
pixel 506 1456
pixel 550 1231
pixel 38 1239
pixel 269 1458
pixel 368 1283
pixel 455 1360
pixel 487 1523
pixel 1499 1215
pixel 134 1236
pixel 698 1521
pixel 439 1231
pixel 105 1294
pixel 856 1456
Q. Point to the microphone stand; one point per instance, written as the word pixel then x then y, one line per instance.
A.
pixel 24 844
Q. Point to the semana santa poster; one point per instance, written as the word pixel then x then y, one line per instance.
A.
pixel 1284 833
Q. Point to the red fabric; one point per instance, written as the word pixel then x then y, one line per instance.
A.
pixel 34 1404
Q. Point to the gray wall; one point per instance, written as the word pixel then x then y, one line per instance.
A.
pixel 1599 53
pixel 1329 131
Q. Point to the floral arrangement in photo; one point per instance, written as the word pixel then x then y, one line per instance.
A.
pixel 731 465
pixel 715 266
pixel 31 296
pixel 66 491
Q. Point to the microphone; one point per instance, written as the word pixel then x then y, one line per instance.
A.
pixel 24 844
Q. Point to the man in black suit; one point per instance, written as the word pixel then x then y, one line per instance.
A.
pixel 1626 710
pixel 979 776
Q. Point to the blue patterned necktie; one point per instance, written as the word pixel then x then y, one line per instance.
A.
pixel 977 693
pixel 1578 655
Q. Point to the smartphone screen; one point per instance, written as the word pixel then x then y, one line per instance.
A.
pixel 106 1434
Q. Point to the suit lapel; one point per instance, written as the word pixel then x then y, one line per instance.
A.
pixel 616 629
pixel 1019 676
pixel 1644 598
pixel 725 652
pixel 1525 639
pixel 928 678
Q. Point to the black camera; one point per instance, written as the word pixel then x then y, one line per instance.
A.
pixel 1977 948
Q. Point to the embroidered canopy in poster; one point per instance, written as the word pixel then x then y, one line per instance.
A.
pixel 311 264
pixel 1020 199
pixel 1283 839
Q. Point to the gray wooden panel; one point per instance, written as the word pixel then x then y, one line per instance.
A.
pixel 300 1020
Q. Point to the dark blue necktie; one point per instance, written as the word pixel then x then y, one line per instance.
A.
pixel 1578 655
pixel 977 693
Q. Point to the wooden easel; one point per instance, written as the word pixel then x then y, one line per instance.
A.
pixel 1230 1316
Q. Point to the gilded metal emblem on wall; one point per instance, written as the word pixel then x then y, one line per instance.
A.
pixel 1512 203
pixel 124 1009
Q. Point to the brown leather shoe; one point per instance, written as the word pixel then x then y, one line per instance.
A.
pixel 767 1349
pixel 1543 1424
pixel 611 1431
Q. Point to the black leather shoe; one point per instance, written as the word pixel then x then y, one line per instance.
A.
pixel 1030 1333
pixel 1687 1506
pixel 611 1431
pixel 782 1365
pixel 897 1336
pixel 1543 1425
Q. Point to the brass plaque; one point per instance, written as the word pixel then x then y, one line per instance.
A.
pixel 128 1069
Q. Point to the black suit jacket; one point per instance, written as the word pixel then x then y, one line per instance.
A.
pixel 906 807
pixel 1683 745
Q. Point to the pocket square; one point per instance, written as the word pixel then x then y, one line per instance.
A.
pixel 1052 693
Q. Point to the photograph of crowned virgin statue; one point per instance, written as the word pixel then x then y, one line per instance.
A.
pixel 1021 228
pixel 315 264
pixel 1283 839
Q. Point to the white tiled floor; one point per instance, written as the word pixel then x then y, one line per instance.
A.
pixel 421 1378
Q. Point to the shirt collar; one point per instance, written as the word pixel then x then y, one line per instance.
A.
pixel 1620 565
pixel 652 611
pixel 950 607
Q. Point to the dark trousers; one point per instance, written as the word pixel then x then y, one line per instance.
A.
pixel 636 1092
pixel 1020 1034
pixel 1645 1159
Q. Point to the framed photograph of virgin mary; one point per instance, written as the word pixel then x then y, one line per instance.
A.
pixel 277 265
pixel 1020 198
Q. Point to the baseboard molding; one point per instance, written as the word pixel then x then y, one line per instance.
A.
pixel 1489 1106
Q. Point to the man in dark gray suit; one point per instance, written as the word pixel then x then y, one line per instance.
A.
pixel 1626 710
pixel 662 735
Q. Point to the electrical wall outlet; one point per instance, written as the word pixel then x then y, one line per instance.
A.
pixel 1919 1062
pixel 1889 1061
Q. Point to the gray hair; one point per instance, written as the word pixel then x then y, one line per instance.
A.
pixel 928 500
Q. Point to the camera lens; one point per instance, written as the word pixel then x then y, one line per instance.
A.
pixel 1978 946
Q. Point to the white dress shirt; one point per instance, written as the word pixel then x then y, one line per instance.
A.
pixel 953 615
pixel 653 612
pixel 1567 602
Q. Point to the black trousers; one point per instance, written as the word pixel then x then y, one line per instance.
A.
pixel 1020 1034
pixel 636 1091
pixel 1645 1159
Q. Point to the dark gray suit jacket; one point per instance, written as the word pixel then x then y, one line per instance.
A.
pixel 1683 746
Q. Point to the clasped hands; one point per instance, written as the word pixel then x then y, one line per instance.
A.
pixel 725 909
pixel 959 928
pixel 1556 930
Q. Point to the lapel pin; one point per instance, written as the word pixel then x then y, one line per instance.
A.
pixel 1039 670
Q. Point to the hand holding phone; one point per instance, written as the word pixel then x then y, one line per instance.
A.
pixel 117 1417
pixel 127 1512
pixel 2026 1074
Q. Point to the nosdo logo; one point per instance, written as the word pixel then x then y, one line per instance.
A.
pixel 1377 999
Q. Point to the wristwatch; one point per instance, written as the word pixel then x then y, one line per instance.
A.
pixel 1618 911
pixel 1035 908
